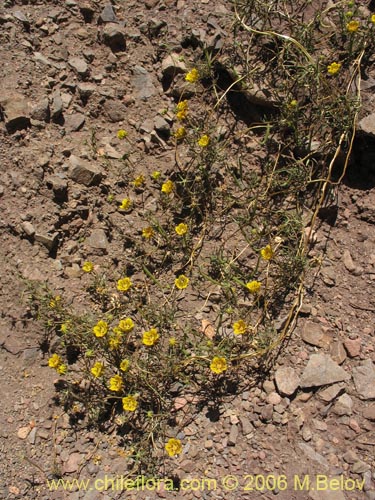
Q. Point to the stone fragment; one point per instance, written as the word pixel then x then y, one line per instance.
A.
pixel 32 436
pixel 313 334
pixel 172 65
pixel 306 433
pixel 114 110
pixel 344 405
pixel 330 393
pixel 322 370
pixel 273 398
pixel 40 111
pixel 114 37
pixel 367 125
pixel 83 172
pixel 56 107
pixel 142 82
pixel 246 426
pixel 28 228
pixel 108 15
pixel 337 352
pixel 74 122
pixel 85 90
pixel 269 386
pixel 23 432
pixel 15 110
pixel 348 261
pixel 313 455
pixel 267 412
pixel 87 11
pixel 287 380
pixel 59 186
pixel 319 492
pixel 360 467
pixel 369 412
pixel 353 347
pixel 47 240
pixel 233 435
pixel 79 65
pixel 73 462
pixel 20 16
pixel 162 127
pixel 350 457
pixel 98 240
pixel 364 379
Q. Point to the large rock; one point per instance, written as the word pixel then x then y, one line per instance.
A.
pixel 313 334
pixel 364 379
pixel 287 380
pixel 108 15
pixel 83 172
pixel 367 125
pixel 41 111
pixel 142 82
pixel 114 110
pixel 98 241
pixel 79 65
pixel 172 65
pixel 114 37
pixel 15 110
pixel 74 122
pixel 322 370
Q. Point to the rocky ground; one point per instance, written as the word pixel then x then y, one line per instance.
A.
pixel 73 73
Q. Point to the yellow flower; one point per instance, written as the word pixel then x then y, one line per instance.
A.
pixel 253 286
pixel 64 328
pixel 124 365
pixel 266 253
pixel 124 284
pixel 148 232
pixel 125 204
pixel 192 76
pixel 373 18
pixel 333 68
pixel 88 267
pixel 181 282
pixel 129 403
pixel 100 329
pixel 139 181
pixel 181 229
pixel 54 361
pixel 353 26
pixel 156 174
pixel 126 325
pixel 218 365
pixel 62 369
pixel 182 110
pixel 55 302
pixel 150 338
pixel 98 369
pixel 121 134
pixel 173 447
pixel 172 341
pixel 115 383
pixel 180 133
pixel 182 105
pixel 116 339
pixel 167 187
pixel 239 327
pixel 293 103
pixel 204 141
pixel 181 115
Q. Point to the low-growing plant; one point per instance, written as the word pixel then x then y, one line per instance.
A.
pixel 225 252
